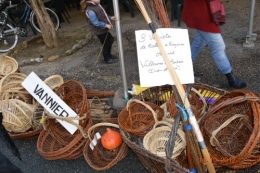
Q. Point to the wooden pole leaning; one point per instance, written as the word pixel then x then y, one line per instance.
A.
pixel 180 89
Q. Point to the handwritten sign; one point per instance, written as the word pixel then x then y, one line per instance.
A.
pixel 152 68
pixel 49 100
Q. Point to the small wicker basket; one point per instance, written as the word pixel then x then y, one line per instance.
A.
pixel 54 81
pixel 138 118
pixel 100 158
pixel 155 141
pixel 8 65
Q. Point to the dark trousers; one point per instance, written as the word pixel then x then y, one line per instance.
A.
pixel 106 40
pixel 6 166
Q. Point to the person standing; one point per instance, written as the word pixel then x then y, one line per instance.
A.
pixel 205 16
pixel 99 25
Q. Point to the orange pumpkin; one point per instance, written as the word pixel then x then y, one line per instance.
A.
pixel 111 139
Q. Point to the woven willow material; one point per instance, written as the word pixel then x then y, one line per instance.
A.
pixel 100 109
pixel 54 81
pixel 8 65
pixel 62 146
pixel 139 117
pixel 73 93
pixel 155 141
pixel 17 115
pixel 237 145
pixel 152 163
pixel 100 158
pixel 36 126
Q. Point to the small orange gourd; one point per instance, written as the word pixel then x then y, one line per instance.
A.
pixel 111 139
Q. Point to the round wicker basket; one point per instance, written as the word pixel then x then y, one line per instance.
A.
pixel 100 158
pixel 235 119
pixel 139 117
pixel 155 141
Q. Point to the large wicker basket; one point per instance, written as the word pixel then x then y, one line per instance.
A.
pixel 138 117
pixel 64 146
pixel 151 162
pixel 98 157
pixel 220 127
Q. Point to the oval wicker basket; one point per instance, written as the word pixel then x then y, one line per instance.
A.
pixel 151 162
pixel 8 65
pixel 244 151
pixel 100 158
pixel 17 115
pixel 67 147
pixel 139 117
pixel 155 141
pixel 54 81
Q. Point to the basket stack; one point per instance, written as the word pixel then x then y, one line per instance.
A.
pixel 55 142
pixel 98 157
pixel 231 130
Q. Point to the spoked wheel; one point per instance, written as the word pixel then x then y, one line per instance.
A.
pixel 8 37
pixel 53 16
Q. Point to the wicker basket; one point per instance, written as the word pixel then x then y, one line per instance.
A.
pixel 54 81
pixel 8 65
pixel 73 93
pixel 36 126
pixel 155 141
pixel 100 158
pixel 139 117
pixel 151 162
pixel 244 151
pixel 66 147
pixel 17 115
pixel 100 109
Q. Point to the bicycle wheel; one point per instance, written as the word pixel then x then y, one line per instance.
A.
pixel 53 16
pixel 8 37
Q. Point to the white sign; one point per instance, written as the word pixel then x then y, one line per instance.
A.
pixel 152 68
pixel 49 100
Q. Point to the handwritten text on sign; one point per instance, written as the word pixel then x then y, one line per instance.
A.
pixel 152 68
pixel 49 100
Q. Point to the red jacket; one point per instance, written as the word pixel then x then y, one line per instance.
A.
pixel 196 14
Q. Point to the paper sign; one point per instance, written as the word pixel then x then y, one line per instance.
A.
pixel 49 100
pixel 152 68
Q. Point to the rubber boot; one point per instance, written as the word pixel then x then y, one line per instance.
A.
pixel 234 81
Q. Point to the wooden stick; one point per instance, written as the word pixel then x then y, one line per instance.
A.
pixel 180 89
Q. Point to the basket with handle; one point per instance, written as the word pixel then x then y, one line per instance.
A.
pixel 152 162
pixel 8 65
pixel 98 157
pixel 155 141
pixel 36 128
pixel 235 119
pixel 139 117
pixel 17 115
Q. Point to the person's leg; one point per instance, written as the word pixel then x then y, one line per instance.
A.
pixel 106 41
pixel 109 43
pixel 217 46
pixel 197 45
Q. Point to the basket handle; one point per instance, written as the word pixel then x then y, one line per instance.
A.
pixel 100 124
pixel 142 103
pixel 227 122
pixel 203 101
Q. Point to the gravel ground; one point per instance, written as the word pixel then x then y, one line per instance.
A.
pixel 85 66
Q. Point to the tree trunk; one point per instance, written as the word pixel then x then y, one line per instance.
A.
pixel 49 34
